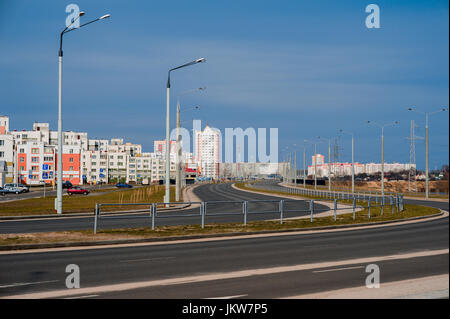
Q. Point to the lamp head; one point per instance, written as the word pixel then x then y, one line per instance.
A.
pixel 106 16
pixel 200 60
pixel 82 13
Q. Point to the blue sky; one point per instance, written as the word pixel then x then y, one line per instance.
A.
pixel 306 67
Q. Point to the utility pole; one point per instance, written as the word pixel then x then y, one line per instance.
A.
pixel 427 193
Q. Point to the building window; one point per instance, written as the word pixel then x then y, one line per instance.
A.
pixel 70 168
pixel 22 159
pixel 35 151
pixel 71 160
pixel 2 142
pixel 35 168
pixel 2 154
pixel 35 159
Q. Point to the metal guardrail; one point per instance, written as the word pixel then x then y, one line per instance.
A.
pixel 325 194
pixel 281 209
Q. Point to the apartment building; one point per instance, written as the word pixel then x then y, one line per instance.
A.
pixel 207 152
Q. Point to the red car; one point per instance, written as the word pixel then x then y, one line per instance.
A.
pixel 77 190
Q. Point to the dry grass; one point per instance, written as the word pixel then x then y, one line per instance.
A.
pixel 83 204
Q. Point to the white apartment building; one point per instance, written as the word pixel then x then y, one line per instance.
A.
pixel 207 152
pixel 345 169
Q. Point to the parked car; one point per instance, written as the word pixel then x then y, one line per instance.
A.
pixel 77 190
pixel 67 185
pixel 123 185
pixel 3 191
pixel 25 188
pixel 13 190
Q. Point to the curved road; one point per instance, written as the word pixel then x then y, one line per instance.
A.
pixel 207 192
pixel 281 265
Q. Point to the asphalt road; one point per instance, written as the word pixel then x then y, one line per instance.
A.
pixel 45 271
pixel 207 192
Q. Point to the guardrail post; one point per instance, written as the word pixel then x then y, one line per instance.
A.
pixel 382 205
pixel 244 210
pixel 281 211
pixel 354 207
pixel 335 209
pixel 203 212
pixel 311 208
pixel 95 218
pixel 153 215
pixel 401 203
pixel 370 204
pixel 392 204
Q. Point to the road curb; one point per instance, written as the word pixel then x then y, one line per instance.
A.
pixel 191 237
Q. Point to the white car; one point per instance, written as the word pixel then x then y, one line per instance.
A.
pixel 24 188
pixel 9 189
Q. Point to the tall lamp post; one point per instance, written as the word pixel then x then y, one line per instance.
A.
pixel 329 161
pixel 315 160
pixel 353 159
pixel 167 188
pixel 180 178
pixel 427 193
pixel 382 149
pixel 60 137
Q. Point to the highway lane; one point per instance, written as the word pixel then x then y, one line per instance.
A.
pixel 45 271
pixel 207 192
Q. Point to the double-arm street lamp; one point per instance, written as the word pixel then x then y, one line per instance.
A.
pixel 179 178
pixel 427 194
pixel 353 159
pixel 167 188
pixel 382 149
pixel 60 137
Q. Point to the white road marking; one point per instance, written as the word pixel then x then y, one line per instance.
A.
pixel 228 297
pixel 81 297
pixel 339 269
pixel 426 287
pixel 221 276
pixel 18 284
pixel 146 259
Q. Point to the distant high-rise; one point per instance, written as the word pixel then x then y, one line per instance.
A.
pixel 207 151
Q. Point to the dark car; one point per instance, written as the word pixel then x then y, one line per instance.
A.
pixel 123 185
pixel 67 184
pixel 77 190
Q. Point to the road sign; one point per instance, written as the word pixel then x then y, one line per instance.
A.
pixel 44 175
pixel 45 167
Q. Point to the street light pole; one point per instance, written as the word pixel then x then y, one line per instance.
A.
pixel 304 167
pixel 382 150
pixel 179 175
pixel 167 182
pixel 60 135
pixel 329 162
pixel 427 193
pixel 353 160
